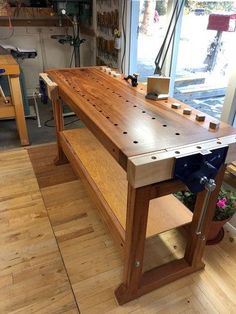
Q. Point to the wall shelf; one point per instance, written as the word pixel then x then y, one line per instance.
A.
pixel 29 16
pixel 37 21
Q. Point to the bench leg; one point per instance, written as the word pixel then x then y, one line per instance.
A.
pixel 135 281
pixel 16 97
pixel 136 224
pixel 59 124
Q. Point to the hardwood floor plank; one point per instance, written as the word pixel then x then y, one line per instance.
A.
pixel 94 264
pixel 214 293
pixel 56 305
pixel 208 306
pixel 33 277
pixel 45 170
pixel 74 234
pixel 6 280
pixel 32 272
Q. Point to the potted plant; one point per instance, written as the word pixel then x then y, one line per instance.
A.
pixel 117 42
pixel 225 209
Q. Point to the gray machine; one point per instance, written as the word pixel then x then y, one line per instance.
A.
pixel 75 11
pixel 17 53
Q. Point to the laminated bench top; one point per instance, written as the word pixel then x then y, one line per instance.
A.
pixel 125 121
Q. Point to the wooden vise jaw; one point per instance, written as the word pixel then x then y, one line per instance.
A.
pixel 159 166
pixel 52 87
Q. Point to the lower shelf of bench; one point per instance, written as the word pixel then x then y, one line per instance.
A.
pixel 108 182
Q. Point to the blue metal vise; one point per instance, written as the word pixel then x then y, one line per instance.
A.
pixel 195 170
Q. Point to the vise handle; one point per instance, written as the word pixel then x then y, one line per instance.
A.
pixel 210 186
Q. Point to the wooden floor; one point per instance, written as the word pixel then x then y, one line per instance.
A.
pixel 56 256
pixel 32 273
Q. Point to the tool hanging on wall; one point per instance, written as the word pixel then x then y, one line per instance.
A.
pixel 108 3
pixel 106 50
pixel 107 24
pixel 108 21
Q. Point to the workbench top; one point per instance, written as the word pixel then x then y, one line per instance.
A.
pixel 9 64
pixel 124 120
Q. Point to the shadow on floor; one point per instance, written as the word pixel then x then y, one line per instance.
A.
pixel 9 136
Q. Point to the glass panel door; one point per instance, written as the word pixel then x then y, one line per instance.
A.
pixel 151 31
pixel 207 44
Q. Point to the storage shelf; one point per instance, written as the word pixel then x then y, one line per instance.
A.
pixel 37 21
pixel 109 180
pixel 44 22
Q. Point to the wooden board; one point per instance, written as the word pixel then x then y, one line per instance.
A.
pixel 10 65
pixel 123 120
pixel 92 261
pixel 165 212
pixel 6 110
pixel 33 278
pixel 17 101
pixel 15 107
pixel 28 12
pixel 47 173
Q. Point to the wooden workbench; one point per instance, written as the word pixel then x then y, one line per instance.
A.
pixel 14 107
pixel 126 158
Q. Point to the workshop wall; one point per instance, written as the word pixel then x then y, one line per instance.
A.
pixel 51 54
pixel 108 19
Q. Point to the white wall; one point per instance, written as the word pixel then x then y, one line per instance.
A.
pixel 51 54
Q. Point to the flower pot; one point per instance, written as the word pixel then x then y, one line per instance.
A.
pixel 216 233
pixel 117 44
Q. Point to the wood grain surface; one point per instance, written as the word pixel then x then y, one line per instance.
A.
pixel 17 101
pixel 15 106
pixel 110 181
pixel 123 120
pixel 32 274
pixel 33 278
pixel 47 172
pixel 10 65
pixel 94 263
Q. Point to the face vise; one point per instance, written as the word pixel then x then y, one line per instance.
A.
pixel 196 170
